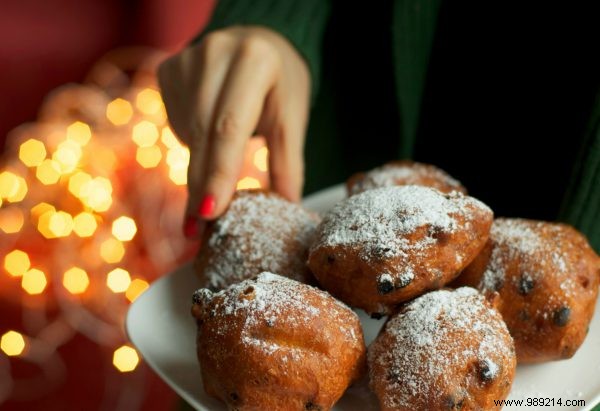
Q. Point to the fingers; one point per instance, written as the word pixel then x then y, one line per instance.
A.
pixel 235 118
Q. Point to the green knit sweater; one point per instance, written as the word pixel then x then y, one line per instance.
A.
pixel 412 29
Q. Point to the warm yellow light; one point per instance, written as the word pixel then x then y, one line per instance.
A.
pixel 48 172
pixel 76 280
pixel 12 343
pixel 118 280
pixel 16 263
pixel 11 219
pixel 38 210
pixel 20 192
pixel 34 281
pixel 76 181
pixel 124 228
pixel 84 224
pixel 60 224
pixel 96 194
pixel 248 182
pixel 149 101
pixel 168 138
pixel 178 157
pixel 9 184
pixel 145 134
pixel 125 358
pixel 32 152
pixel 136 288
pixel 79 132
pixel 112 251
pixel 67 155
pixel 43 224
pixel 148 157
pixel 119 111
pixel 261 159
pixel 178 176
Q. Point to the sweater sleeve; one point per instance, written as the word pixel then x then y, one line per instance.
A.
pixel 302 22
pixel 581 205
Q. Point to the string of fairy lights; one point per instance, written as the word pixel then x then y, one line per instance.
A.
pixel 91 201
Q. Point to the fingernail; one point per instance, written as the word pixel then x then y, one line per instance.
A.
pixel 190 226
pixel 207 206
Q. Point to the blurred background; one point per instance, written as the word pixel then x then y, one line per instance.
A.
pixel 92 192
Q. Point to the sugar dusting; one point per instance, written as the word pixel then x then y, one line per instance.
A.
pixel 252 235
pixel 269 299
pixel 407 173
pixel 436 333
pixel 377 222
pixel 520 239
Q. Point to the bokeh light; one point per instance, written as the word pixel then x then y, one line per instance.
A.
pixel 125 358
pixel 48 172
pixel 247 183
pixel 34 281
pixel 148 157
pixel 11 219
pixel 118 280
pixel 145 134
pixel 60 224
pixel 136 288
pixel 119 111
pixel 84 224
pixel 97 194
pixel 16 263
pixel 149 101
pixel 112 250
pixel 168 138
pixel 124 228
pixel 79 132
pixel 75 280
pixel 32 152
pixel 43 224
pixel 9 184
pixel 76 181
pixel 261 159
pixel 67 155
pixel 12 343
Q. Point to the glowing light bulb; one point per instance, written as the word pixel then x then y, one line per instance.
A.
pixel 84 224
pixel 145 134
pixel 32 152
pixel 112 251
pixel 136 288
pixel 34 281
pixel 124 228
pixel 16 263
pixel 247 183
pixel 75 280
pixel 125 358
pixel 11 219
pixel 79 132
pixel 48 172
pixel 149 101
pixel 261 159
pixel 119 112
pixel 67 155
pixel 12 343
pixel 148 157
pixel 118 280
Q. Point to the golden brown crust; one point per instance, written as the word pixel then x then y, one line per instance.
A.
pixel 403 172
pixel 445 350
pixel 388 245
pixel 260 231
pixel 274 344
pixel 547 277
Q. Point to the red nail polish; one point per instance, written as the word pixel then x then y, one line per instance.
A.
pixel 190 227
pixel 207 206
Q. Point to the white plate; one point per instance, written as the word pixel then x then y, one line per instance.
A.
pixel 159 324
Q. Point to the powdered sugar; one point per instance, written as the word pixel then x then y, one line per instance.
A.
pixel 255 235
pixel 434 335
pixel 406 173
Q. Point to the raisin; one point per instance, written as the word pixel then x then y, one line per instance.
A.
pixel 561 316
pixel 526 284
pixel 385 284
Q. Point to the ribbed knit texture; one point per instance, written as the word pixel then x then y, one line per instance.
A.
pixel 301 22
pixel 413 30
pixel 581 205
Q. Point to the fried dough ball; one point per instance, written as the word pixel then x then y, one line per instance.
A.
pixel 445 350
pixel 385 246
pixel 260 231
pixel 272 343
pixel 547 276
pixel 403 172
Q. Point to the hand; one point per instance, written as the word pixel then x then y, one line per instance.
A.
pixel 237 82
